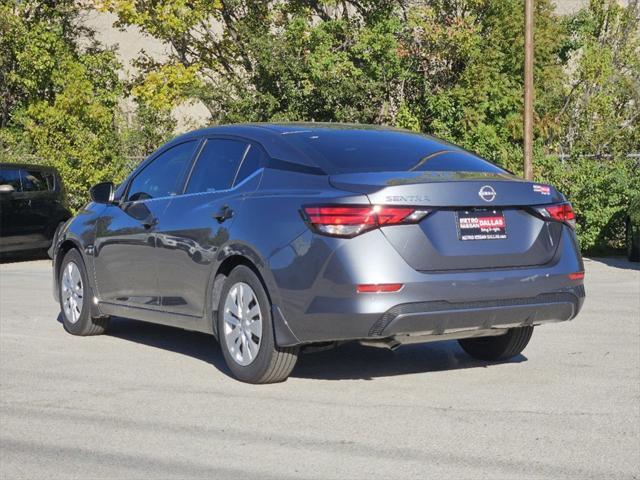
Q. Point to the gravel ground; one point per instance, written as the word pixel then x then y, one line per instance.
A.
pixel 148 401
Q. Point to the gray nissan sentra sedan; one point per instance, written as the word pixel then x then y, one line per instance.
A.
pixel 275 237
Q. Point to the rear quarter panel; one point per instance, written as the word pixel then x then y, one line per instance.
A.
pixel 79 232
pixel 273 235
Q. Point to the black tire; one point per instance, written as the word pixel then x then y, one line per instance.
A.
pixel 272 364
pixel 85 325
pixel 633 243
pixel 502 347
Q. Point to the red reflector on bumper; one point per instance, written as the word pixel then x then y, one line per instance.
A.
pixel 379 288
pixel 576 276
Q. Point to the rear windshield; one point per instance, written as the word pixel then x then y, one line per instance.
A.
pixel 356 151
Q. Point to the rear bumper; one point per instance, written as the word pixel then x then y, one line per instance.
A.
pixel 438 318
pixel 326 307
pixel 447 320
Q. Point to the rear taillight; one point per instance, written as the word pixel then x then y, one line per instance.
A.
pixel 352 220
pixel 561 212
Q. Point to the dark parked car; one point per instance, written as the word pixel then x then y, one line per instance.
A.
pixel 273 237
pixel 32 206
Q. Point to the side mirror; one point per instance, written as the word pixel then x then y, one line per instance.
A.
pixel 102 192
pixel 7 189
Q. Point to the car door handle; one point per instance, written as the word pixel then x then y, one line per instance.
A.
pixel 150 223
pixel 225 213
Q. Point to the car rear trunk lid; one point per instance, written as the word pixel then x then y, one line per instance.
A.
pixel 516 236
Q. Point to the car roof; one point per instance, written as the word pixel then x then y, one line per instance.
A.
pixel 273 137
pixel 31 166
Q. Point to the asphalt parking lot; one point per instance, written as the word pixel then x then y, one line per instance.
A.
pixel 147 401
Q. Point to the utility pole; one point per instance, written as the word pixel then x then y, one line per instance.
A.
pixel 528 89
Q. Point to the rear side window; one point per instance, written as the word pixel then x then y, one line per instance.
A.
pixel 34 181
pixel 253 160
pixel 164 176
pixel 217 165
pixel 10 176
pixel 371 150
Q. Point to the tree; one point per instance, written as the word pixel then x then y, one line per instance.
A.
pixel 449 68
pixel 60 100
pixel 467 59
pixel 601 110
pixel 453 69
pixel 597 125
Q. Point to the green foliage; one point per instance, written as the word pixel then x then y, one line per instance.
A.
pixel 601 111
pixel 600 191
pixel 453 69
pixel 634 209
pixel 60 100
pixel 470 60
pixel 598 122
pixel 148 129
pixel 166 86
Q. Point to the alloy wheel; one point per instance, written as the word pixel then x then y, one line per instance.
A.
pixel 242 323
pixel 72 292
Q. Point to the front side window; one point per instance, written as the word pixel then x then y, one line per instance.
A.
pixel 34 181
pixel 164 175
pixel 217 165
pixel 10 176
